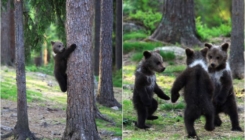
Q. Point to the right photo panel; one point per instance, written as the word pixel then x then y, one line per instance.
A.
pixel 183 69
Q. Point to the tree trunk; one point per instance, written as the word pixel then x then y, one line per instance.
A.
pixel 21 130
pixel 178 23
pixel 119 34
pixel 105 94
pixel 97 4
pixel 5 34
pixel 80 119
pixel 237 39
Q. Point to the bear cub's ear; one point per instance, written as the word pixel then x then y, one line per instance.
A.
pixel 52 42
pixel 208 45
pixel 147 54
pixel 225 47
pixel 204 51
pixel 189 52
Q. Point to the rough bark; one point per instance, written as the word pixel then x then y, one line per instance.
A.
pixel 80 119
pixel 237 39
pixel 21 130
pixel 105 94
pixel 97 37
pixel 5 34
pixel 177 24
pixel 118 34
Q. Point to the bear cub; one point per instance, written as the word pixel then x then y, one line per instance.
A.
pixel 198 90
pixel 220 73
pixel 144 87
pixel 61 55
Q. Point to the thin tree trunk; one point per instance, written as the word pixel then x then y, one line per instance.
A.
pixel 178 23
pixel 119 34
pixel 105 94
pixel 21 130
pixel 237 39
pixel 5 34
pixel 97 37
pixel 80 119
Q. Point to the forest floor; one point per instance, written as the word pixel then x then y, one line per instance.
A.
pixel 170 125
pixel 47 107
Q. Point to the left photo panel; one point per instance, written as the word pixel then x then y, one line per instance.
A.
pixel 61 69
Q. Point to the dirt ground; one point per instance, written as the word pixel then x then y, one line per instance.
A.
pixel 45 121
pixel 47 118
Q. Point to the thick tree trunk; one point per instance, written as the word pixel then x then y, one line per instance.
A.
pixel 118 34
pixel 105 94
pixel 97 4
pixel 178 23
pixel 237 39
pixel 80 119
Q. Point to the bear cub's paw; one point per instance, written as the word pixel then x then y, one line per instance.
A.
pixel 209 127
pixel 238 128
pixel 141 126
pixel 175 97
pixel 73 46
pixel 163 96
pixel 152 118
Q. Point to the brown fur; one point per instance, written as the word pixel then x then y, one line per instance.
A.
pixel 198 90
pixel 145 85
pixel 220 73
pixel 60 65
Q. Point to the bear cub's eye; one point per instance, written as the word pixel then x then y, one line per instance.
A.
pixel 217 58
pixel 158 63
pixel 210 57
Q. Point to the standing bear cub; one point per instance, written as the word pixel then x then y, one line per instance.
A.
pixel 220 73
pixel 144 87
pixel 61 55
pixel 198 90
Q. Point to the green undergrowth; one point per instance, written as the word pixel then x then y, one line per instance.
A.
pixel 139 46
pixel 140 35
pixel 116 116
pixel 165 55
pixel 206 33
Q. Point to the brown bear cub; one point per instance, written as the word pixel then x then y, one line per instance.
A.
pixel 220 73
pixel 61 55
pixel 144 87
pixel 198 90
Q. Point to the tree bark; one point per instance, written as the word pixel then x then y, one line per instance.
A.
pixel 97 4
pixel 177 24
pixel 105 94
pixel 80 119
pixel 237 39
pixel 21 130
pixel 119 34
pixel 5 34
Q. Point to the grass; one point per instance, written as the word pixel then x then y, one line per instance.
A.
pixel 134 36
pixel 38 92
pixel 117 78
pixel 139 46
pixel 170 124
pixel 165 55
pixel 116 116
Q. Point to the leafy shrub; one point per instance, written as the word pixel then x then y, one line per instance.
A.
pixel 206 33
pixel 149 19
